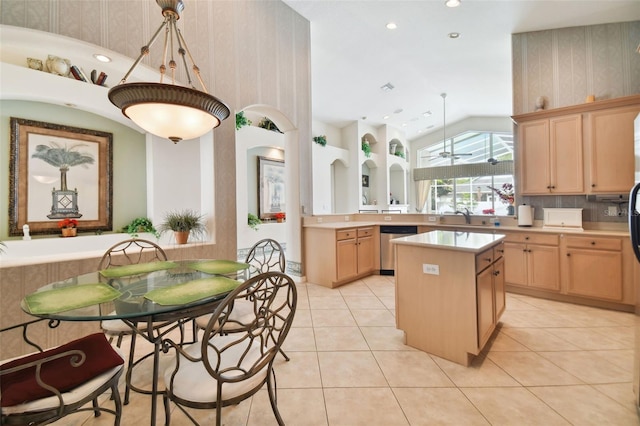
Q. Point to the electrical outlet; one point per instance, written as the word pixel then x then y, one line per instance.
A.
pixel 433 219
pixel 346 218
pixel 319 220
pixel 430 269
pixel 387 218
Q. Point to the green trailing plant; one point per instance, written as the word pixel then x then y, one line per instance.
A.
pixel 241 120
pixel 253 221
pixel 183 220
pixel 2 246
pixel 141 224
pixel 399 154
pixel 366 148
pixel 320 140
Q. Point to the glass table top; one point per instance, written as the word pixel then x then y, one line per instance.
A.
pixel 138 291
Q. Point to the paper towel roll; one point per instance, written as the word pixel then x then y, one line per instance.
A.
pixel 525 215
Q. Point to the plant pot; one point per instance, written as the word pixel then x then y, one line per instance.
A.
pixel 511 210
pixel 279 220
pixel 392 151
pixel 181 237
pixel 69 232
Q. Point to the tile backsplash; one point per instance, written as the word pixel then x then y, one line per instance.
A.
pixel 592 211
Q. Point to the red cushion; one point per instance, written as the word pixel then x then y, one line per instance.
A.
pixel 21 386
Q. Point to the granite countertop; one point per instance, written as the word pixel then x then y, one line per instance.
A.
pixel 474 242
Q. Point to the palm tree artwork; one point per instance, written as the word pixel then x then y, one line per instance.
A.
pixel 65 202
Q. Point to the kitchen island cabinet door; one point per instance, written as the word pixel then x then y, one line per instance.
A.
pixel 499 290
pixel 485 300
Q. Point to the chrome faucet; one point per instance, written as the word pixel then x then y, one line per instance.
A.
pixel 467 215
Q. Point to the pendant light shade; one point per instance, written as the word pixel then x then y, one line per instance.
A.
pixel 169 110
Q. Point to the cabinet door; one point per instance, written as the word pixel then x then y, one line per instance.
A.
pixel 485 300
pixel 595 273
pixel 565 144
pixel 611 143
pixel 498 287
pixel 543 267
pixel 347 258
pixel 365 254
pixel 515 256
pixel 533 146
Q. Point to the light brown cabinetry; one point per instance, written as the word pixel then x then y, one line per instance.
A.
pixel 550 156
pixel 532 260
pixel 490 292
pixel 594 267
pixel 449 301
pixel 611 156
pixel 579 149
pixel 338 256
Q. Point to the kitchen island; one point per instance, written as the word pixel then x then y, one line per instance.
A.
pixel 449 291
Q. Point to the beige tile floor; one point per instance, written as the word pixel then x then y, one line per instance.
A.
pixel 549 363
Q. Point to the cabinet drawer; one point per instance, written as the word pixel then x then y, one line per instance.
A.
pixel 345 234
pixel 498 251
pixel 546 239
pixel 365 232
pixel 484 259
pixel 595 243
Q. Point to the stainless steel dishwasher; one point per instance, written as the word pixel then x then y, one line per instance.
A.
pixel 387 254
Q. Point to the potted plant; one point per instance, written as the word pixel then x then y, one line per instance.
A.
pixel 399 154
pixel 320 140
pixel 253 221
pixel 141 224
pixel 241 120
pixel 280 217
pixel 183 223
pixel 266 123
pixel 68 227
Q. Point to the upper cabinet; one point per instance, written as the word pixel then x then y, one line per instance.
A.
pixel 551 156
pixel 610 146
pixel 579 149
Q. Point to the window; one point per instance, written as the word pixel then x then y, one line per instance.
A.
pixel 462 170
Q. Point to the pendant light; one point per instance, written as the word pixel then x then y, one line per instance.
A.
pixel 170 110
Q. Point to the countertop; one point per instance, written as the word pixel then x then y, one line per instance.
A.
pixel 474 242
pixel 618 231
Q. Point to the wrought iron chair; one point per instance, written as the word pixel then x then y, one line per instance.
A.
pixel 224 369
pixel 266 255
pixel 46 386
pixel 129 252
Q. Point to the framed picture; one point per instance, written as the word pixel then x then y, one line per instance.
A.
pixel 271 187
pixel 365 181
pixel 59 172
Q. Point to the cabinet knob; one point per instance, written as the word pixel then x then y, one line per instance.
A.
pixel 568 254
pixel 593 185
pixel 496 273
pixel 488 259
pixel 526 238
pixel 548 186
pixel 501 251
pixel 553 187
pixel 593 243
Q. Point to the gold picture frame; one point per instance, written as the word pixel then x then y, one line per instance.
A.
pixel 58 172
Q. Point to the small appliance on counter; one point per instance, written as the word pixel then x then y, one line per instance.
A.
pixel 563 219
pixel 525 215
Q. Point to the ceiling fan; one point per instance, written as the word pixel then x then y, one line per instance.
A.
pixel 447 154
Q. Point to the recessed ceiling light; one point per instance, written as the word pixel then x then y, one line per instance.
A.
pixel 387 87
pixel 391 26
pixel 454 35
pixel 430 126
pixel 386 117
pixel 102 58
pixel 398 111
pixel 404 124
pixel 452 3
pixel 427 113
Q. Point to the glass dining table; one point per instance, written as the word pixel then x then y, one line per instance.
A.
pixel 168 292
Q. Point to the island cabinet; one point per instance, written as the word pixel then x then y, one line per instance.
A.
pixel 532 260
pixel 594 267
pixel 550 157
pixel 336 256
pixel 449 291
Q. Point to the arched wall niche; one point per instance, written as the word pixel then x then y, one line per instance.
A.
pixel 339 195
pixel 251 142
